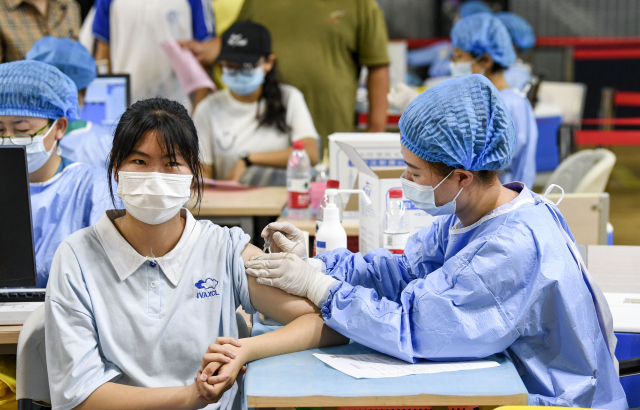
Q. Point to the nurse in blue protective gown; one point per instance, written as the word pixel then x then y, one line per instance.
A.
pixel 498 272
pixel 518 75
pixel 84 141
pixel 37 102
pixel 482 45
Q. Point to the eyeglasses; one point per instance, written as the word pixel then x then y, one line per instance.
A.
pixel 24 139
pixel 246 69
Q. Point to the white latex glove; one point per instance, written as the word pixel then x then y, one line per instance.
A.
pixel 401 96
pixel 291 274
pixel 285 235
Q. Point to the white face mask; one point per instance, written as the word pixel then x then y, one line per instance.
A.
pixel 153 197
pixel 422 197
pixel 463 68
pixel 37 155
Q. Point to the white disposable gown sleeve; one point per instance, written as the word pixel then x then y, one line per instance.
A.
pixel 415 306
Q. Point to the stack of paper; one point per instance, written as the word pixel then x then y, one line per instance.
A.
pixel 377 365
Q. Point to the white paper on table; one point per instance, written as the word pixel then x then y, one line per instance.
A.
pixel 377 365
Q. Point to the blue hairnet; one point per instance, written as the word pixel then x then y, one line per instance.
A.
pixel 34 89
pixel 474 6
pixel 483 33
pixel 68 56
pixel 462 122
pixel 520 31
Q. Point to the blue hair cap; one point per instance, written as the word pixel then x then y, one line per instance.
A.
pixel 520 31
pixel 462 122
pixel 68 56
pixel 484 33
pixel 474 6
pixel 33 89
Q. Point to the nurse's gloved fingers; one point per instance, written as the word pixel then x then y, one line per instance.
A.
pixel 265 273
pixel 264 263
pixel 283 242
pixel 228 341
pixel 265 282
pixel 266 257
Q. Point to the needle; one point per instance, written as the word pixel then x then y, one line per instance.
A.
pixel 294 246
pixel 267 244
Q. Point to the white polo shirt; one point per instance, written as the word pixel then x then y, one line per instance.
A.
pixel 114 315
pixel 135 30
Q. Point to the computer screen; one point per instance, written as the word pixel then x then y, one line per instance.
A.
pixel 17 259
pixel 107 98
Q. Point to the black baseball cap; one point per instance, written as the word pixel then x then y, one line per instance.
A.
pixel 245 42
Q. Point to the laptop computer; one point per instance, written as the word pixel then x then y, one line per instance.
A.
pixel 17 256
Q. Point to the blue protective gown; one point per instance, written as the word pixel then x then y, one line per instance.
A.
pixel 73 199
pixel 88 143
pixel 518 76
pixel 507 283
pixel 523 163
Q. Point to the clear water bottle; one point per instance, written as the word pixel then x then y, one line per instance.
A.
pixel 299 182
pixel 395 233
pixel 318 185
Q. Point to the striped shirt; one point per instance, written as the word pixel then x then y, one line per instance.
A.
pixel 22 24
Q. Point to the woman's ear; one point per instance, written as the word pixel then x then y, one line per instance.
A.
pixel 61 128
pixel 115 174
pixel 486 62
pixel 463 177
pixel 268 64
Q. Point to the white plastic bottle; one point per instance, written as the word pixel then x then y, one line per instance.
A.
pixel 331 184
pixel 331 234
pixel 395 233
pixel 299 182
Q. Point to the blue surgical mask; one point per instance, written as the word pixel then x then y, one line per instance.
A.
pixel 462 68
pixel 423 198
pixel 243 82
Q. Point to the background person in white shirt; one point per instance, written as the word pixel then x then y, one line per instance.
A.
pixel 137 303
pixel 246 130
pixel 130 33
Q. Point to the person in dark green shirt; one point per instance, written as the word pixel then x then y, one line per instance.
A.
pixel 320 47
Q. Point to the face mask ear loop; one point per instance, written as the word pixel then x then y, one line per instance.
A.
pixel 550 188
pixel 459 192
pixel 443 179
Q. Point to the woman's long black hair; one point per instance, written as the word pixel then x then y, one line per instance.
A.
pixel 176 133
pixel 276 113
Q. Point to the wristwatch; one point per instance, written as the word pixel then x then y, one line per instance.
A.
pixel 246 160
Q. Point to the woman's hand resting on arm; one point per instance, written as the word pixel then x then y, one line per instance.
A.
pixel 305 329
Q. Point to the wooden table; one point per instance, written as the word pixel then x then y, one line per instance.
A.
pixel 9 339
pixel 241 207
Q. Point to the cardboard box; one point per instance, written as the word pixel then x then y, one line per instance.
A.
pixel 377 184
pixel 379 150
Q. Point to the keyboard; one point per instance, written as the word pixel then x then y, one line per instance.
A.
pixel 22 295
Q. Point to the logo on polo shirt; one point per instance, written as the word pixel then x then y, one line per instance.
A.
pixel 236 40
pixel 208 287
